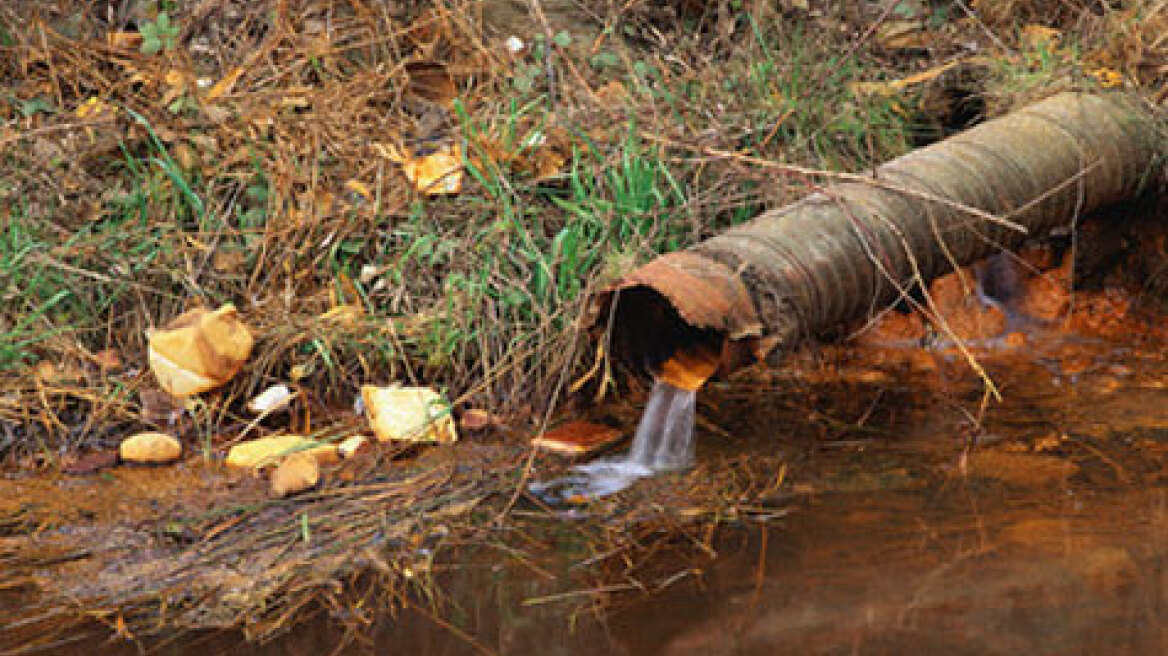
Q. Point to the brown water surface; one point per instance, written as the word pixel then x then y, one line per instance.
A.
pixel 910 531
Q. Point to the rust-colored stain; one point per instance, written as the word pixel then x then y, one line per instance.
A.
pixel 705 293
pixel 690 368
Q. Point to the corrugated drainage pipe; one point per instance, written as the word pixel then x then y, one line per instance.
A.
pixel 757 289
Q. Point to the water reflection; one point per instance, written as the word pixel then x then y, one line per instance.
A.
pixel 898 574
pixel 850 573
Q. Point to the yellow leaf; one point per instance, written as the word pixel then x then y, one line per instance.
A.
pixel 124 40
pixel 891 87
pixel 1108 78
pixel 175 78
pixel 93 107
pixel 1040 36
pixel 224 85
pixel 438 173
pixel 299 372
pixel 121 630
pixel 345 315
pixel 359 188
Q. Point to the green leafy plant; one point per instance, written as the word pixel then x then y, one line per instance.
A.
pixel 159 34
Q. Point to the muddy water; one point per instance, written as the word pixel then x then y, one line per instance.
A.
pixel 1044 531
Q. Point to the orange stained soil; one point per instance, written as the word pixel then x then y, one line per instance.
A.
pixel 41 503
pixel 958 306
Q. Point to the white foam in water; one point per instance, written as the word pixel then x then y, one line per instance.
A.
pixel 663 442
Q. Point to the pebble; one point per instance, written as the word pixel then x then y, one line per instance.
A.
pixel 150 448
pixel 297 473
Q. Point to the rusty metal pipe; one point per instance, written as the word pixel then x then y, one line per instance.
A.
pixel 756 290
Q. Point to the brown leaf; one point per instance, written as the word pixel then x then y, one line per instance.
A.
pixel 108 360
pixel 431 81
pixel 52 373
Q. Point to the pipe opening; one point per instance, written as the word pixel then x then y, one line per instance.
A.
pixel 649 337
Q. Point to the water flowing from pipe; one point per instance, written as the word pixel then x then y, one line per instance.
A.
pixel 664 442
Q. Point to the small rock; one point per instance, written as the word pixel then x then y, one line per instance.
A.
pixel 269 450
pixel 351 445
pixel 199 350
pixel 276 397
pixel 150 448
pixel 298 472
pixel 476 419
pixel 410 414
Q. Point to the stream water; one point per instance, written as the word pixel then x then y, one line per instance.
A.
pixel 664 442
pixel 1043 531
pixel 1046 532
